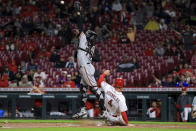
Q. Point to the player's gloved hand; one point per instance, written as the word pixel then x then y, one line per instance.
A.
pixel 77 6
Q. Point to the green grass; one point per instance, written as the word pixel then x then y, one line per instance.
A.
pixel 75 121
pixel 152 122
pixel 95 129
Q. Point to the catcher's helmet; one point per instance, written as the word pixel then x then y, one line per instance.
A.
pixel 91 36
pixel 119 82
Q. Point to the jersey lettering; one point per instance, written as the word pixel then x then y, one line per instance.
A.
pixel 110 102
pixel 113 96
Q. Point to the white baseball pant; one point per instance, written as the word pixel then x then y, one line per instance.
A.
pixel 90 113
pixel 115 120
pixel 185 113
pixel 87 73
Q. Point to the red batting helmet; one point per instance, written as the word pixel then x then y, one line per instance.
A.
pixel 183 88
pixel 119 82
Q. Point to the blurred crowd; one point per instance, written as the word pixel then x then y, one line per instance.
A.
pixel 184 75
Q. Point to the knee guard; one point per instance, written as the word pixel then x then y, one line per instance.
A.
pixel 95 90
pixel 83 91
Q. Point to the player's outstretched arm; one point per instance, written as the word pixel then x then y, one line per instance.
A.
pixel 102 76
pixel 78 8
pixel 124 116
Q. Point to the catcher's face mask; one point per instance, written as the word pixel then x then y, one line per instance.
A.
pixel 91 37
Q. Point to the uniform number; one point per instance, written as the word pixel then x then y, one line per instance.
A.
pixel 110 102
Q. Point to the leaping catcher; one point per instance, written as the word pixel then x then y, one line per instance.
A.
pixel 85 51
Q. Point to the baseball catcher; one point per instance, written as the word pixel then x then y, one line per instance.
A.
pixel 84 55
pixel 114 101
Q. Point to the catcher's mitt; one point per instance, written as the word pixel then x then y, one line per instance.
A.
pixel 77 6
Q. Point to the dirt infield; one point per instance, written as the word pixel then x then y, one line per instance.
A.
pixel 93 123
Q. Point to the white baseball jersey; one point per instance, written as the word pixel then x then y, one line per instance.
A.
pixel 86 69
pixel 114 101
pixel 151 114
pixel 83 57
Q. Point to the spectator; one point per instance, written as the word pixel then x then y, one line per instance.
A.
pixel 4 81
pixel 182 82
pixel 168 51
pixel 61 63
pixel 179 68
pixel 162 25
pixel 139 14
pixel 123 38
pixel 43 54
pixel 152 25
pixel 193 61
pixel 63 78
pixel 40 73
pixel 114 39
pixel 180 51
pixel 98 30
pixel 76 78
pixel 13 66
pixel 18 76
pixel 159 50
pixel 125 65
pixel 168 83
pixel 188 37
pixel 9 73
pixel 149 51
pixel 2 46
pixel 30 75
pixel 175 77
pixel 185 69
pixel 149 9
pixel 32 66
pixel 24 82
pixel 184 104
pixel 71 63
pixel 107 7
pixel 10 46
pixel 154 111
pixel 193 78
pixel 13 84
pixel 23 67
pixel 135 63
pixel 125 17
pixel 116 6
pixel 54 56
pixel 131 33
pixel 66 35
pixel 69 83
pixel 188 76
